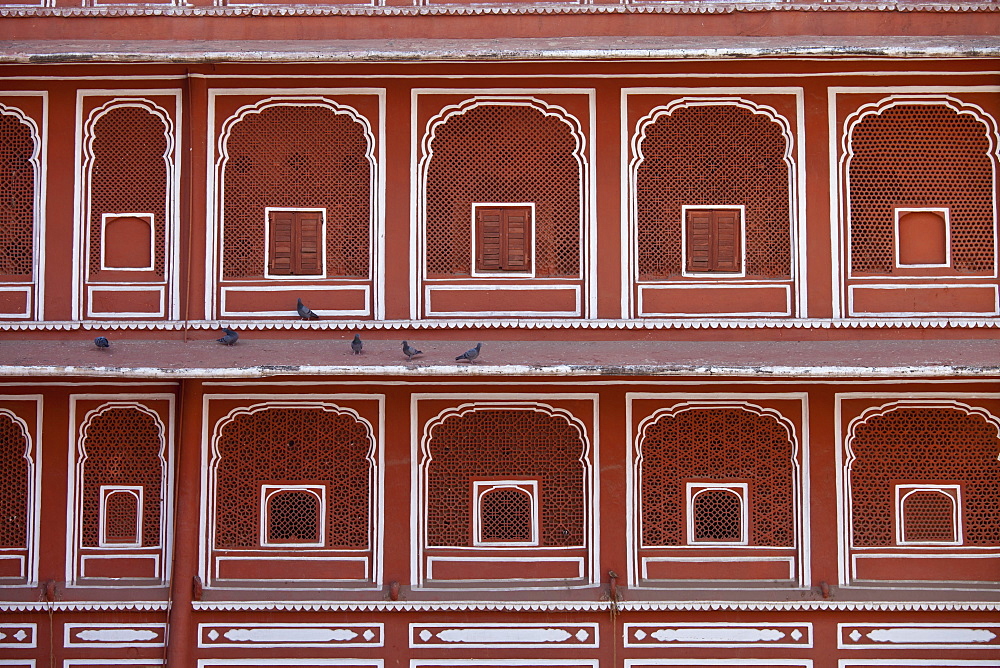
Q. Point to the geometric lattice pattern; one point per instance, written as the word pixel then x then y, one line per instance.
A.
pixel 297 157
pixel 716 516
pixel 294 446
pixel 129 175
pixel 940 445
pixel 921 155
pixel 505 443
pixel 503 154
pixel 121 517
pixel 505 515
pixel 706 156
pixel 293 517
pixel 17 198
pixel 928 516
pixel 13 483
pixel 122 446
pixel 717 444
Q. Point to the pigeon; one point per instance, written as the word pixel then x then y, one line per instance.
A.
pixel 357 345
pixel 305 312
pixel 410 351
pixel 470 354
pixel 102 342
pixel 230 338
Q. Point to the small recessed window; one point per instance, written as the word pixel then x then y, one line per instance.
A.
pixel 717 513
pixel 713 240
pixel 127 241
pixel 293 515
pixel 928 515
pixel 922 237
pixel 295 242
pixel 506 513
pixel 120 516
pixel 502 239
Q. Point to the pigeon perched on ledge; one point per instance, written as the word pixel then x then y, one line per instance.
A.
pixel 102 342
pixel 357 344
pixel 305 312
pixel 230 338
pixel 410 351
pixel 470 355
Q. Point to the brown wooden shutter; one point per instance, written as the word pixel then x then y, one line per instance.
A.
pixel 281 253
pixel 310 227
pixel 518 239
pixel 699 241
pixel 714 240
pixel 489 239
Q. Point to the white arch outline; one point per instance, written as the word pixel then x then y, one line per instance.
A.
pixel 638 157
pixel 215 456
pixel 37 208
pixel 32 508
pixel 222 159
pixel 426 458
pixel 171 221
pixel 847 155
pixel 427 154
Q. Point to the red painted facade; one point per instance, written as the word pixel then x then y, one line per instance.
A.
pixel 736 401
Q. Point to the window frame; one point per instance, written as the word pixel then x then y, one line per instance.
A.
pixel 269 490
pixel 530 252
pixel 902 490
pixel 321 274
pixel 742 255
pixel 106 491
pixel 481 487
pixel 740 489
pixel 899 212
pixel 107 218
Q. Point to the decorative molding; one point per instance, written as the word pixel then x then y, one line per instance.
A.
pixel 718 635
pixel 18 636
pixel 114 635
pixel 513 635
pixel 918 636
pixel 290 635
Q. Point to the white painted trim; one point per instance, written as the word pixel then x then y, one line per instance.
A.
pixel 430 289
pixel 93 288
pixel 933 286
pixel 528 488
pixel 130 556
pixel 105 491
pixel 505 635
pixel 268 210
pixel 505 663
pixel 27 289
pixel 486 561
pixel 29 554
pixel 920 635
pixel 112 629
pixel 152 240
pixel 220 582
pixel 719 634
pixel 738 489
pixel 233 287
pixel 714 275
pixel 700 662
pixel 255 663
pixel 945 213
pixel 531 224
pixel 952 492
pixel 793 568
pixel 267 492
pixel 295 634
pixel 642 287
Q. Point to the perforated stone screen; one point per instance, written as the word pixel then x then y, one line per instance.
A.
pixel 290 156
pixel 13 483
pixel 122 447
pixel 504 444
pixel 506 515
pixel 17 198
pixel 129 175
pixel 719 444
pixel 293 517
pixel 941 445
pixel 928 516
pixel 920 155
pixel 503 154
pixel 294 445
pixel 708 156
pixel 716 515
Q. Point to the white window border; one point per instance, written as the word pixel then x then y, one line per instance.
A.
pixel 742 273
pixel 503 274
pixel 267 245
pixel 269 490
pixel 105 217
pixel 481 487
pixel 900 211
pixel 904 490
pixel 740 489
pixel 105 492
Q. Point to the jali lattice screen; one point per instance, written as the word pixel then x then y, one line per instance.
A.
pixel 13 483
pixel 17 198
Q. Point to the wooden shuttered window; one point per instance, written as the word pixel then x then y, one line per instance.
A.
pixel 503 239
pixel 714 240
pixel 295 243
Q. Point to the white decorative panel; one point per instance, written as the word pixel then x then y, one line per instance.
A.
pixel 919 636
pixel 289 635
pixel 514 635
pixel 718 635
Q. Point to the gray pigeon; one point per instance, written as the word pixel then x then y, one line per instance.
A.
pixel 305 312
pixel 470 355
pixel 230 338
pixel 357 345
pixel 102 342
pixel 410 351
